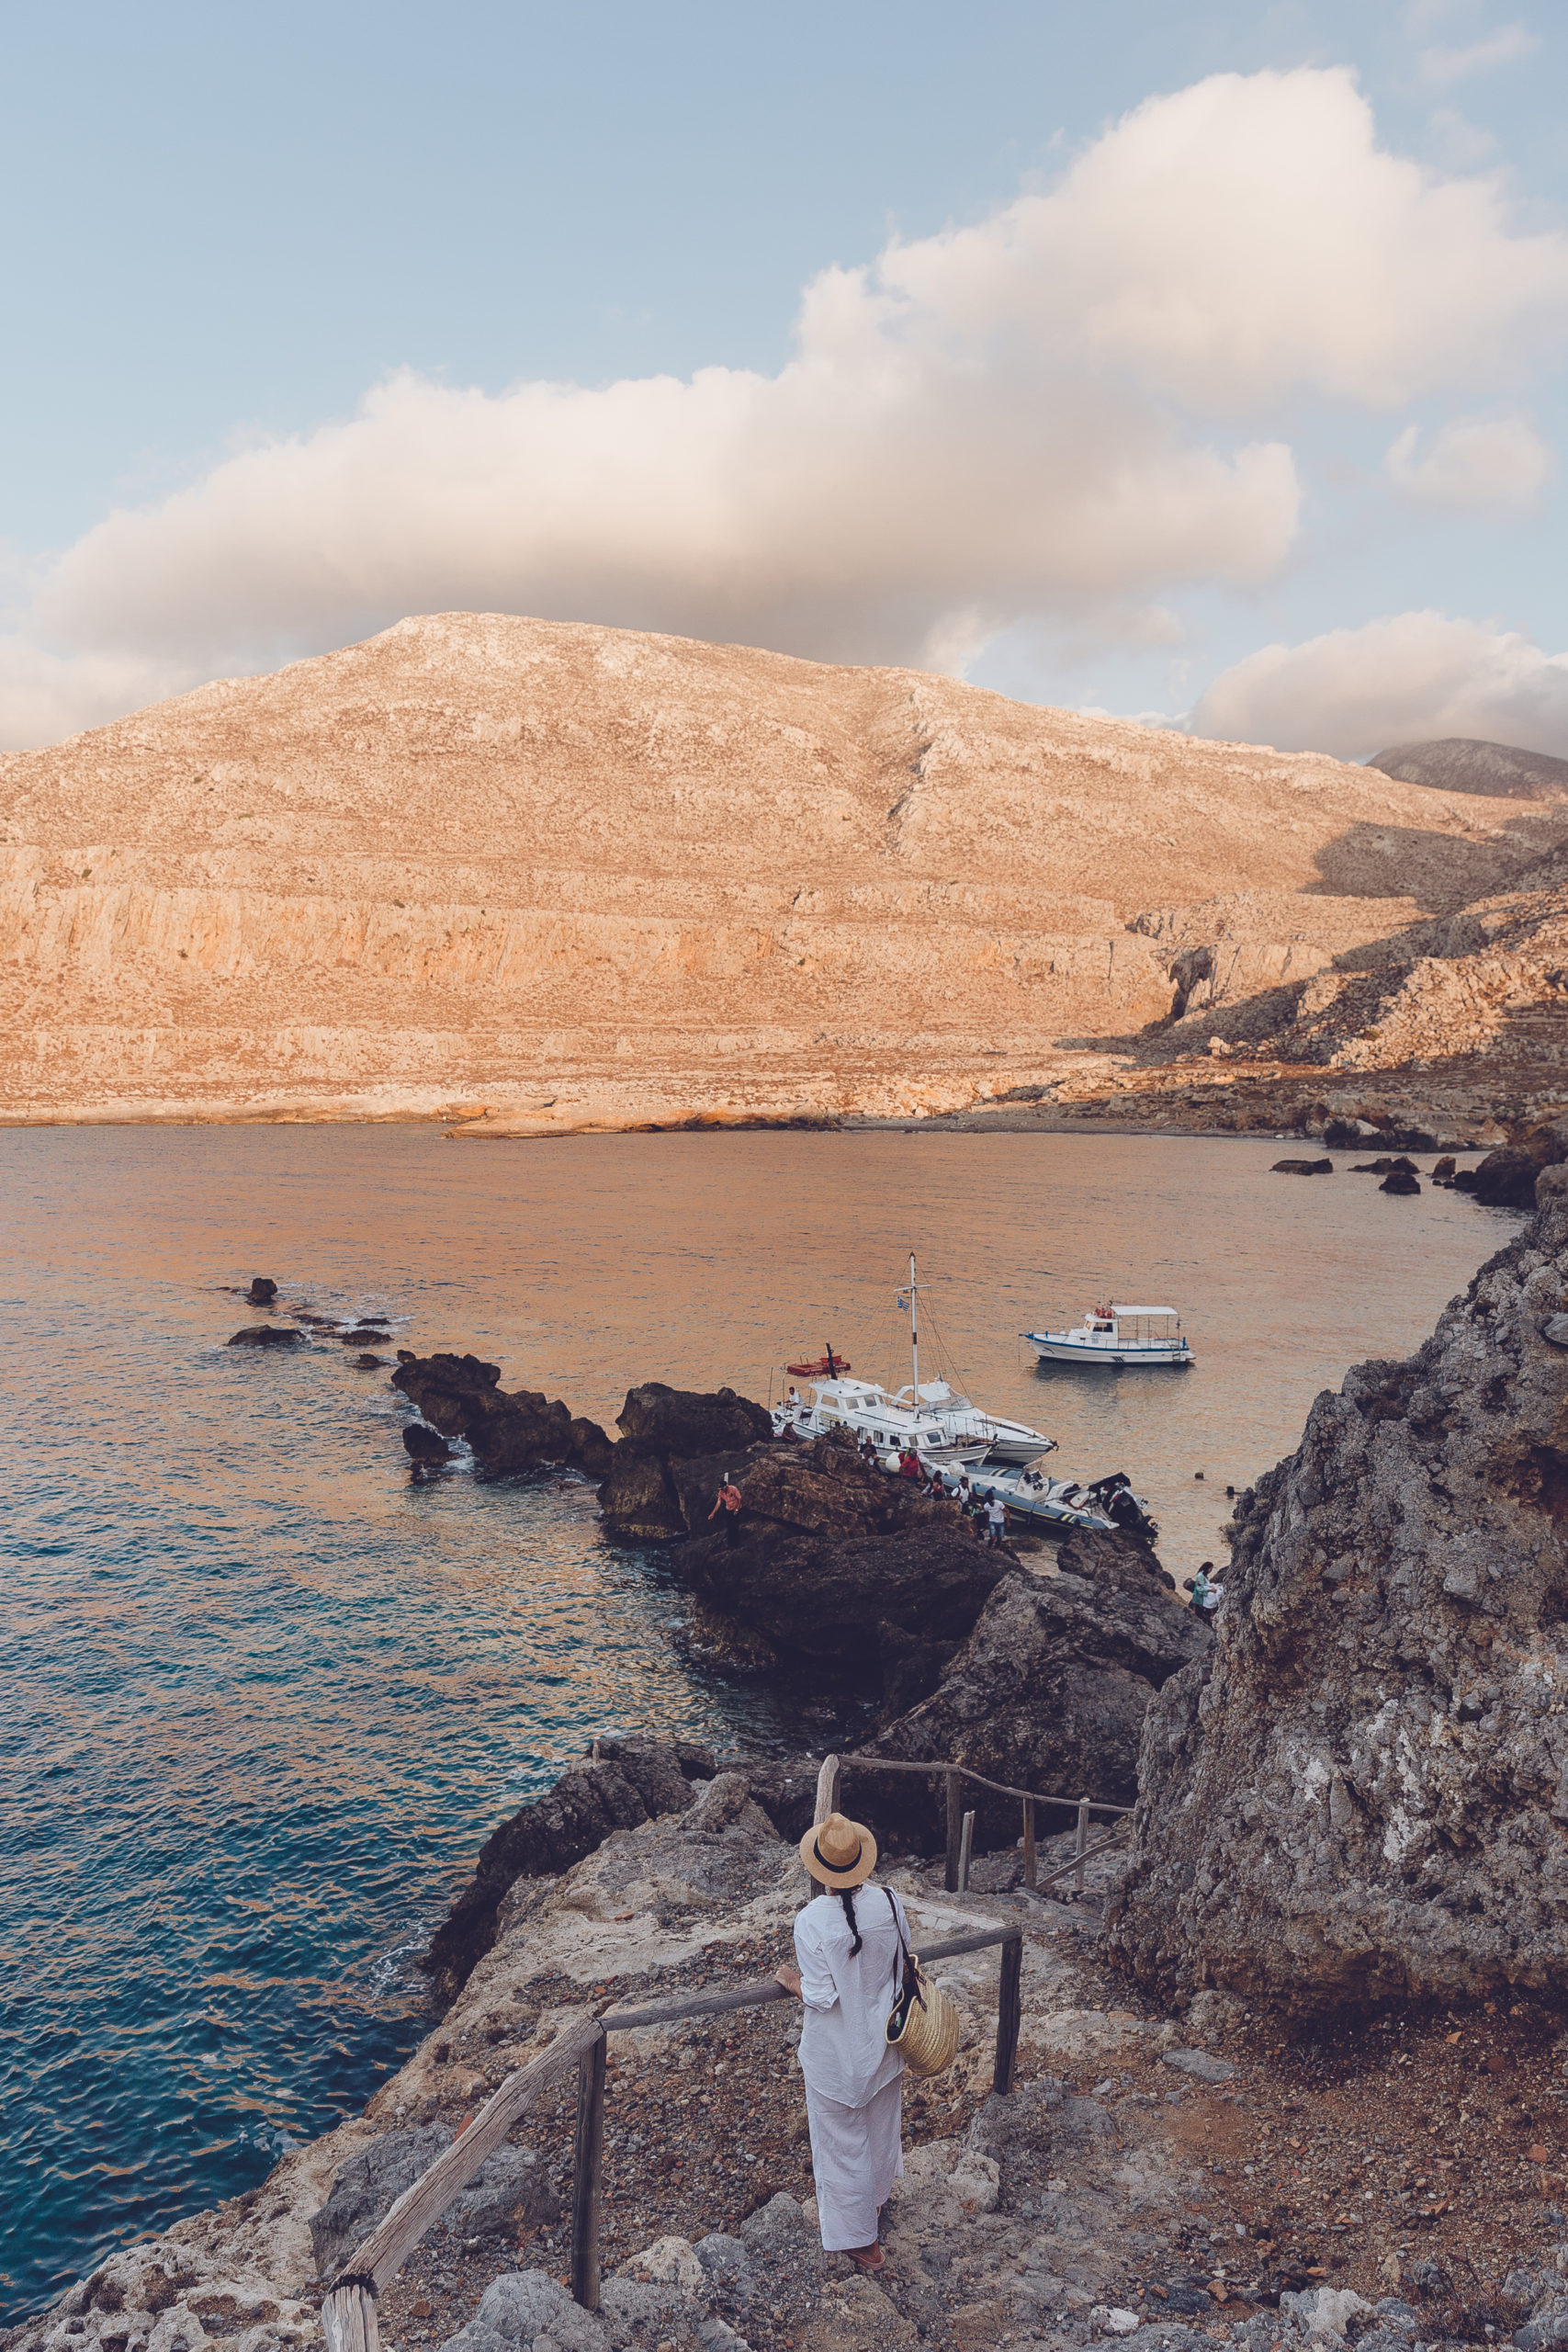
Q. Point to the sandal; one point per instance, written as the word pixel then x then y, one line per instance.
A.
pixel 864 2262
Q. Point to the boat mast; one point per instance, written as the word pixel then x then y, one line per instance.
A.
pixel 914 1343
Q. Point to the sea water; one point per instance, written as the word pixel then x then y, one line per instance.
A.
pixel 263 1697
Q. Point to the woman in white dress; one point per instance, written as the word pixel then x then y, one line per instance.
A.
pixel 847 1942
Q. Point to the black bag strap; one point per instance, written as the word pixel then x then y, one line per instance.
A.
pixel 905 1976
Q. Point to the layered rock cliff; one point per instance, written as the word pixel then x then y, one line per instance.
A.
pixel 1362 1795
pixel 573 877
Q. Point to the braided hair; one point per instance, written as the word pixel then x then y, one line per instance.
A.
pixel 846 1897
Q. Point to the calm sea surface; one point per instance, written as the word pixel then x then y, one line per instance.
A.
pixel 262 1698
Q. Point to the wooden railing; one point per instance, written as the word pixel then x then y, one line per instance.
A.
pixel 961 1824
pixel 348 2311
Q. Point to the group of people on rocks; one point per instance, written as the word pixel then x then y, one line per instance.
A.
pixel 988 1511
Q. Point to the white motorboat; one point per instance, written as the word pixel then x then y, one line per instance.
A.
pixel 866 1410
pixel 1120 1338
pixel 1005 1441
pixel 1101 1506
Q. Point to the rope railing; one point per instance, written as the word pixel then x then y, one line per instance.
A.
pixel 348 2308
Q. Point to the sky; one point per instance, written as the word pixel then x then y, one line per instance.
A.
pixel 1202 364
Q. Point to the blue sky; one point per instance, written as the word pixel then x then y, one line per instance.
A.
pixel 225 232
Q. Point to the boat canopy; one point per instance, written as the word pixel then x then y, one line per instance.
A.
pixel 1143 1310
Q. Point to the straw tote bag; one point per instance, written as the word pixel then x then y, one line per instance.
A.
pixel 922 2024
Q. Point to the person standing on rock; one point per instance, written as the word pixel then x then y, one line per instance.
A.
pixel 996 1518
pixel 729 1503
pixel 849 1943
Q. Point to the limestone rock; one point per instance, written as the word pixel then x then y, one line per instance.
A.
pixel 1301 1168
pixel 634 1781
pixel 262 1292
pixel 1358 1795
pixel 448 871
pixel 1050 1690
pixel 268 1335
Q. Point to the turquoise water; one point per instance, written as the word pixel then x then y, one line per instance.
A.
pixel 263 1698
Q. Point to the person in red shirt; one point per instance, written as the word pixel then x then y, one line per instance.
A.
pixel 729 1503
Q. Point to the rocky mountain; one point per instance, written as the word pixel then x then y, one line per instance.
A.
pixel 1358 1794
pixel 1466 763
pixel 565 876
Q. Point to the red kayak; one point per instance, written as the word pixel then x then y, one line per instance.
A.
pixel 825 1368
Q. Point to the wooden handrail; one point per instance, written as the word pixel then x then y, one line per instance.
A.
pixel 998 1788
pixel 348 2308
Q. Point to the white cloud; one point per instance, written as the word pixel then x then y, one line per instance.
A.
pixel 1489 462
pixel 1403 680
pixel 1443 67
pixel 1057 414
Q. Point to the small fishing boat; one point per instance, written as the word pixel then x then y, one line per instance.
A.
pixel 1119 1337
pixel 826 1367
pixel 1101 1506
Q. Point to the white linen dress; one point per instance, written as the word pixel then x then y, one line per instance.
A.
pixel 853 2081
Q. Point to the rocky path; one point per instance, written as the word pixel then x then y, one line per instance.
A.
pixel 1178 2180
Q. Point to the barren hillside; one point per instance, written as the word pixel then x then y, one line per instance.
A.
pixel 581 876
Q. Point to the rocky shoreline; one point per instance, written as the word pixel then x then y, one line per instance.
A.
pixel 1294 2074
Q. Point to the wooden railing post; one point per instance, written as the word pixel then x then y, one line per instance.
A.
pixel 1009 2010
pixel 587 2165
pixel 1030 1858
pixel 954 1830
pixel 348 2317
pixel 966 1852
pixel 828 1781
pixel 1079 1842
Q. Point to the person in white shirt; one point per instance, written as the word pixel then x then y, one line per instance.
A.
pixel 847 1942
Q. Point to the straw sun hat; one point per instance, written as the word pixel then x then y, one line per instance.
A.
pixel 839 1852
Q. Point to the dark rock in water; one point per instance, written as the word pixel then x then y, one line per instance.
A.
pixel 911 1667
pixel 1443 1172
pixel 370 1364
pixel 268 1335
pixel 424 1445
pixel 1384 1166
pixel 1506 1177
pixel 686 1421
pixel 1301 1168
pixel 262 1292
pixel 508 1432
pixel 1358 1797
pixel 637 1498
pixel 365 1335
pixel 1401 1179
pixel 829 1549
pixel 634 1780
pixel 1050 1690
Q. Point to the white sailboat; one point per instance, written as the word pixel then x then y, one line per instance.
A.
pixel 1120 1338
pixel 945 1429
pixel 965 1424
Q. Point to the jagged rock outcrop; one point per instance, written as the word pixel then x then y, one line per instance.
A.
pixel 447 873
pixel 1050 1690
pixel 631 1781
pixel 661 1478
pixel 831 1551
pixel 268 1335
pixel 1506 1177
pixel 509 1431
pixel 1361 1794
